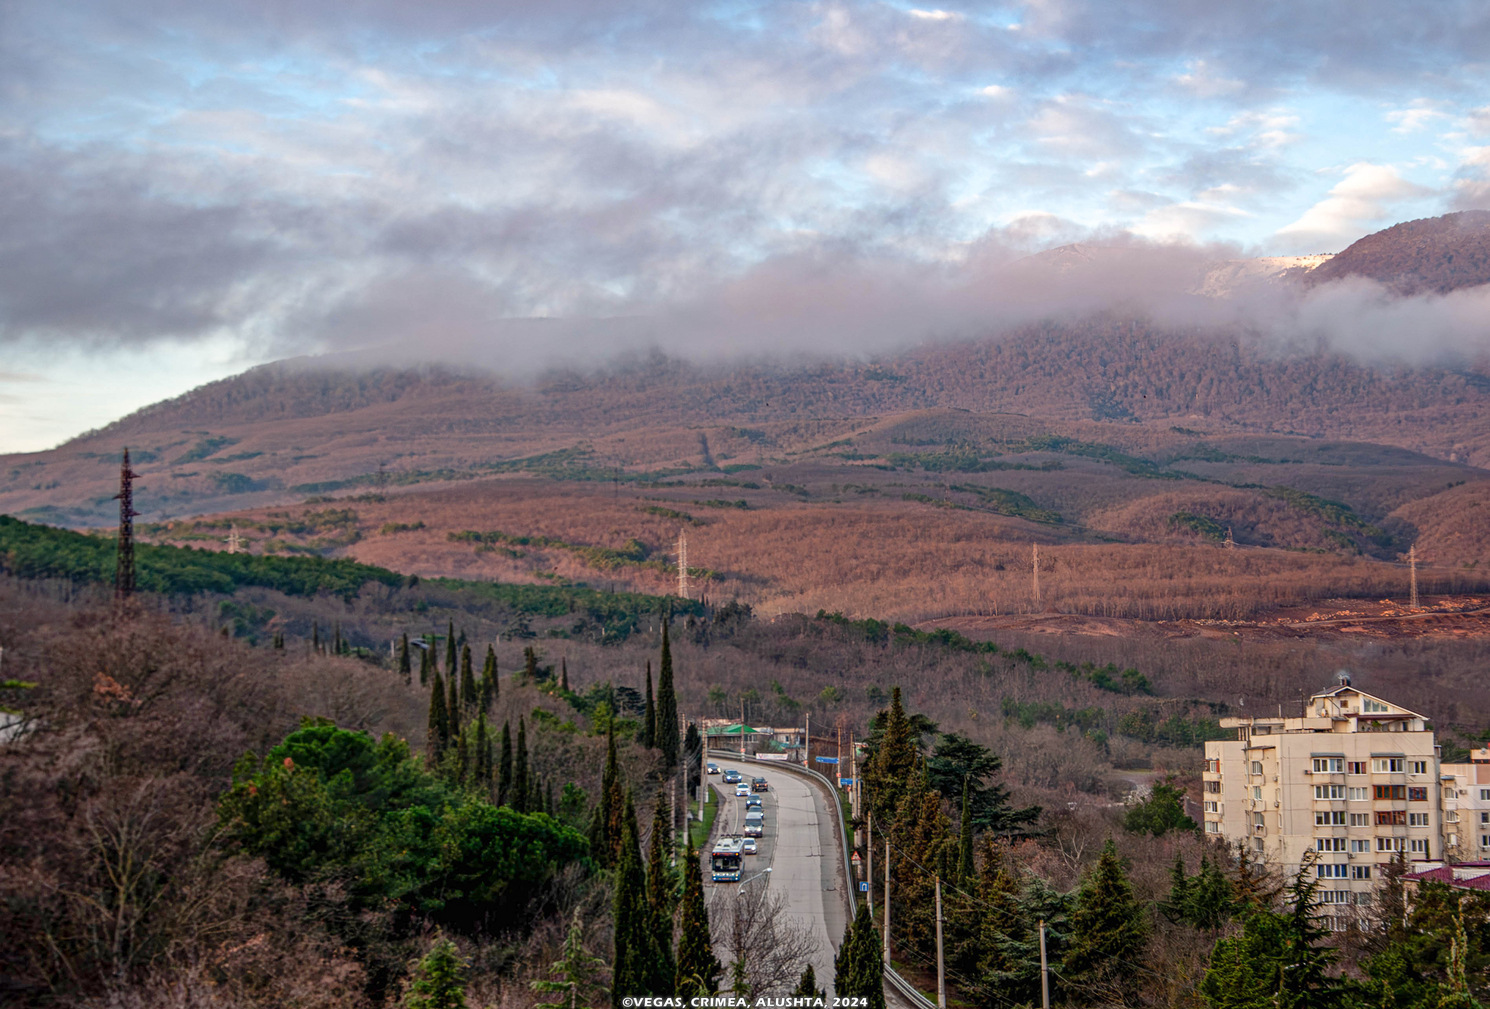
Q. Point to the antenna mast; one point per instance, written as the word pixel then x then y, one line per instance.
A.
pixel 1412 574
pixel 1035 573
pixel 682 564
pixel 124 571
pixel 235 542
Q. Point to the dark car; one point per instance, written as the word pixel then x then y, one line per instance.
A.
pixel 758 785
pixel 713 768
pixel 753 802
pixel 732 777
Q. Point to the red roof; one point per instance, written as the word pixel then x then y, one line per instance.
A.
pixel 1445 874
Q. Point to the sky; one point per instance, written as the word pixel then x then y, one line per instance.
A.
pixel 191 188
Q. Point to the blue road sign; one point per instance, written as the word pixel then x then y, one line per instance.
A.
pixel 826 760
pixel 864 886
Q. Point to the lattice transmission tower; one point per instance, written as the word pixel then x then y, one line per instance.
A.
pixel 124 569
pixel 682 564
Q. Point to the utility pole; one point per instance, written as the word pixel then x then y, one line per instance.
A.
pixel 1044 971
pixel 235 542
pixel 887 900
pixel 807 743
pixel 941 967
pixel 1035 574
pixel 124 570
pixel 1230 543
pixel 869 863
pixel 703 769
pixel 1412 569
pixel 742 726
pixel 682 564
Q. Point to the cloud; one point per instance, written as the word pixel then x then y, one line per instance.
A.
pixel 1418 115
pixel 1363 197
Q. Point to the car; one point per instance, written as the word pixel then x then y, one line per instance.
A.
pixel 748 848
pixel 752 802
pixel 713 768
pixel 758 785
pixel 732 777
pixel 742 789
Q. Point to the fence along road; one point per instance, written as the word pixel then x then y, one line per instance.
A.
pixel 805 848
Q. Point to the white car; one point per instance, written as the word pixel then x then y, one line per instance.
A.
pixel 748 848
pixel 742 790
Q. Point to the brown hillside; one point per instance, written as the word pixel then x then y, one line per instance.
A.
pixel 1435 254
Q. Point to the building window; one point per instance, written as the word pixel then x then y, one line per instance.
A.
pixel 1363 898
pixel 1358 793
pixel 1485 795
pixel 1355 767
pixel 1360 819
pixel 1334 896
pixel 1212 827
pixel 1331 871
pixel 1389 844
pixel 1329 818
pixel 1257 766
pixel 1391 791
pixel 1387 765
pixel 1322 765
pixel 1485 840
pixel 1391 818
pixel 1211 806
pixel 1360 872
pixel 1213 787
pixel 1418 845
pixel 1452 816
pixel 1213 765
pixel 1417 794
pixel 1329 791
pixel 1257 792
pixel 1329 844
pixel 1417 819
pixel 1417 767
pixel 1485 817
pixel 1377 706
pixel 1360 846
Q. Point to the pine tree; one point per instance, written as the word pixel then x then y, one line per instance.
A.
pixel 577 973
pixel 1209 902
pixel 440 981
pixel 405 668
pixel 468 695
pixel 698 968
pixel 1109 926
pixel 649 716
pixel 858 969
pixel 665 730
pixel 521 788
pixel 660 882
pixel 504 765
pixel 1176 907
pixel 438 734
pixel 965 837
pixel 637 961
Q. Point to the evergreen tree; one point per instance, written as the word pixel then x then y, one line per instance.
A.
pixel 637 960
pixel 1109 926
pixel 665 730
pixel 891 763
pixel 1161 812
pixel 424 665
pixel 440 981
pixel 576 973
pixel 521 788
pixel 315 637
pixel 437 737
pixel 1210 901
pixel 465 768
pixel 336 642
pixel 1176 907
pixel 649 716
pixel 807 986
pixel 698 968
pixel 450 652
pixel 491 687
pixel 468 696
pixel 923 833
pixel 605 838
pixel 405 668
pixel 1280 959
pixel 858 969
pixel 660 882
pixel 504 765
pixel 483 755
pixel 564 674
pixel 965 837
pixel 1251 885
pixel 535 793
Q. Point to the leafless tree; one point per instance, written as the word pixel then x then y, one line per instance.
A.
pixel 752 925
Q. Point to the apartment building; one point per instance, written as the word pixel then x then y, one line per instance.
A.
pixel 1354 779
pixel 1466 808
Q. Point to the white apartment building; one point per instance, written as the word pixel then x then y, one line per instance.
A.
pixel 1466 808
pixel 1355 779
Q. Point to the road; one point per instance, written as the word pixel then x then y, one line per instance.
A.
pixel 800 846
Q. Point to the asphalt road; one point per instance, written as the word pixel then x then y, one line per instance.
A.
pixel 800 846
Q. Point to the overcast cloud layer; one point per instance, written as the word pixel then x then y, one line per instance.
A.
pixel 187 188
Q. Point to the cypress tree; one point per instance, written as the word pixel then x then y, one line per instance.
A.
pixel 450 653
pixel 483 754
pixel 452 703
pixel 891 766
pixel 535 793
pixel 504 767
pixel 665 730
pixel 464 766
pixel 468 695
pixel 965 837
pixel 530 665
pixel 637 960
pixel 649 716
pixel 438 736
pixel 549 805
pixel 564 674
pixel 405 668
pixel 698 969
pixel 315 637
pixel 606 834
pixel 424 666
pixel 1108 925
pixel 807 986
pixel 336 642
pixel 659 882
pixel 521 789
pixel 858 969
pixel 490 688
